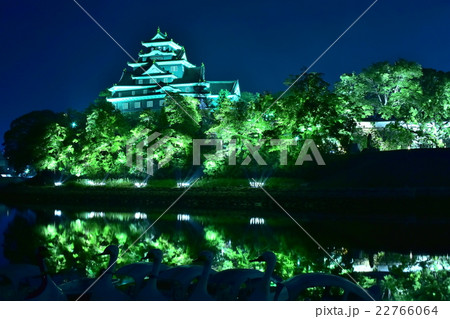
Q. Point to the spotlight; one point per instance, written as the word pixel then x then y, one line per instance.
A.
pixel 256 184
pixel 95 214
pixel 139 185
pixel 183 217
pixel 139 215
pixel 257 221
pixel 92 183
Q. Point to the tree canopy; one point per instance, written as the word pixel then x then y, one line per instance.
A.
pixel 412 102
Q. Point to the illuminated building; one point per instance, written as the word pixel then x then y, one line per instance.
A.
pixel 162 68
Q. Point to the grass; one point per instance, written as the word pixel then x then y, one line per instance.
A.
pixel 208 182
pixel 204 182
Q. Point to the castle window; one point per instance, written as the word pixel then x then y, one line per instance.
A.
pixel 133 92
pixel 125 106
pixel 139 81
pixel 145 91
pixel 161 102
pixel 119 94
pixel 149 103
pixel 137 105
pixel 173 68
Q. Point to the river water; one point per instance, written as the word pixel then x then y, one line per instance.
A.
pixel 73 239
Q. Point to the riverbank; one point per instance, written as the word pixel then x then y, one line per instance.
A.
pixel 420 202
pixel 412 183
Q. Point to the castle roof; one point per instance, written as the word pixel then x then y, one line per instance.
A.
pixel 159 36
pixel 161 39
pixel 191 75
pixel 217 86
pixel 125 79
pixel 163 63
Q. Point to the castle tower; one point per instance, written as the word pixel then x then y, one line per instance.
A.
pixel 162 68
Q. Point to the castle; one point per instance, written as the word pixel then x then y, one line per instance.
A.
pixel 163 69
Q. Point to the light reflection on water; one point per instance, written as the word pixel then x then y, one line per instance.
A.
pixel 73 239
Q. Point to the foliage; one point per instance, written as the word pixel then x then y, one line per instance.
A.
pixel 182 114
pixel 104 140
pixel 312 111
pixel 60 149
pixel 92 144
pixel 24 137
pixel 388 90
pixel 395 136
pixel 416 100
pixel 237 122
pixel 73 246
pixel 431 282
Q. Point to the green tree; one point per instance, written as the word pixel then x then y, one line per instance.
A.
pixel 312 111
pixel 24 138
pixel 104 141
pixel 62 150
pixel 182 114
pixel 54 147
pixel 433 115
pixel 387 91
pixel 180 122
pixel 241 122
pixel 391 90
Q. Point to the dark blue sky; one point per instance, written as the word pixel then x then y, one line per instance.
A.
pixel 54 57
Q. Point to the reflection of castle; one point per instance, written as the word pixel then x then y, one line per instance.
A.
pixel 163 67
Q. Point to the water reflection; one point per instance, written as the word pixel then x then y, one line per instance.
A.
pixel 5 219
pixel 74 238
pixel 17 241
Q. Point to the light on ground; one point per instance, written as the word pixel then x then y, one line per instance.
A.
pixel 257 221
pixel 96 214
pixel 139 215
pixel 139 185
pixel 58 183
pixel 92 183
pixel 254 184
pixel 183 217
pixel 57 212
pixel 183 184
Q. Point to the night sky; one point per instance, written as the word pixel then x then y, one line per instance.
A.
pixel 55 57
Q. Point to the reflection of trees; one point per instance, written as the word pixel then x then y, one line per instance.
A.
pixel 432 282
pixel 73 246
